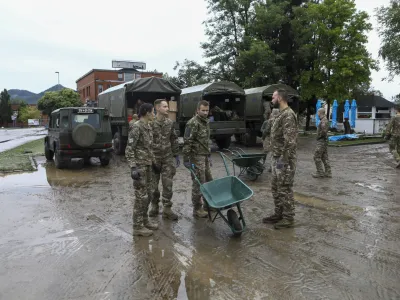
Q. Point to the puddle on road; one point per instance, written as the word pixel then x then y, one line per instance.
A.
pixel 31 180
pixel 323 204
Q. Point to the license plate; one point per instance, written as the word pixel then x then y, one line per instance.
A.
pixel 85 110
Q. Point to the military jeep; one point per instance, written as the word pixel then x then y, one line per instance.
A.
pixel 78 132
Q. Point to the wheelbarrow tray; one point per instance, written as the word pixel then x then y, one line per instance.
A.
pixel 245 162
pixel 262 155
pixel 225 192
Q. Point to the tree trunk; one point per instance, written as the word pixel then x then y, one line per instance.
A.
pixel 329 110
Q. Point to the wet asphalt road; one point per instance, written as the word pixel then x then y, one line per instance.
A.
pixel 66 234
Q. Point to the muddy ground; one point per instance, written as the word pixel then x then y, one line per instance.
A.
pixel 66 234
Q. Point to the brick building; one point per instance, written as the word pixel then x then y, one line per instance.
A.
pixel 90 85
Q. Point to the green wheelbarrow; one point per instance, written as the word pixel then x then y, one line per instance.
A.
pixel 251 164
pixel 225 193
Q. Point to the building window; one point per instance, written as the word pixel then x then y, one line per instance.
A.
pixel 109 85
pixel 364 112
pixel 382 113
pixel 100 88
pixel 84 94
pixel 120 76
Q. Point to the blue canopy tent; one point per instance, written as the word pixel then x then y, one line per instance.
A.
pixel 318 106
pixel 353 114
pixel 334 114
pixel 346 109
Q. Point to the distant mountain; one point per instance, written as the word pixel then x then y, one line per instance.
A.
pixel 32 98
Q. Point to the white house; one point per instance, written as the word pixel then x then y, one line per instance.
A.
pixel 373 113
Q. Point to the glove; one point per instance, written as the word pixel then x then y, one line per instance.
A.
pixel 135 174
pixel 187 163
pixel 156 168
pixel 280 163
pixel 177 161
pixel 209 160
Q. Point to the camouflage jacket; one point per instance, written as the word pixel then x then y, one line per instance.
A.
pixel 284 135
pixel 197 137
pixel 393 128
pixel 139 150
pixel 322 130
pixel 165 139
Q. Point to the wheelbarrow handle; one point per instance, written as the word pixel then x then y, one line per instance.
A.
pixel 224 157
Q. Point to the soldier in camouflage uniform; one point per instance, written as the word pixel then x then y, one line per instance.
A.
pixel 196 151
pixel 321 150
pixel 267 110
pixel 393 134
pixel 284 147
pixel 139 154
pixel 165 148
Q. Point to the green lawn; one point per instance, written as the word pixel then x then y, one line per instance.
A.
pixel 16 160
pixel 357 142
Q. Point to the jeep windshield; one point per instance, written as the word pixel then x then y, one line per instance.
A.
pixel 91 118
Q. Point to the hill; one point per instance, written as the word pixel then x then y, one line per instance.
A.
pixel 32 98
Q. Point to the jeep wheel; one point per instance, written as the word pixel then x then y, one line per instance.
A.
pixel 58 161
pixel 47 152
pixel 118 144
pixel 104 161
pixel 223 142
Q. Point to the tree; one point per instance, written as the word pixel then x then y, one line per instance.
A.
pixel 365 89
pixel 227 30
pixel 54 100
pixel 396 99
pixel 389 29
pixel 5 107
pixel 190 73
pixel 29 112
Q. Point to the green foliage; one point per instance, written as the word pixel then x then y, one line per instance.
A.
pixel 396 99
pixel 28 112
pixel 389 29
pixel 54 100
pixel 190 73
pixel 5 107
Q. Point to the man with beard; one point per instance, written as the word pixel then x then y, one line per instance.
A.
pixel 283 148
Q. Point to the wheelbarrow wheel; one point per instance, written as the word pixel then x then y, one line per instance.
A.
pixel 260 167
pixel 252 173
pixel 234 222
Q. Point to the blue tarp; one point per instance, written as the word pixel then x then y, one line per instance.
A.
pixel 336 138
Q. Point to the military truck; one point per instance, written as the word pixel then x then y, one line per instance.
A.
pixel 123 102
pixel 227 109
pixel 78 132
pixel 258 108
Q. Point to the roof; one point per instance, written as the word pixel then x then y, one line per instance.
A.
pixel 220 87
pixel 148 84
pixel 115 71
pixel 373 100
pixel 269 90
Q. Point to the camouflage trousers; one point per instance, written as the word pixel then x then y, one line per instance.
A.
pixel 167 174
pixel 394 147
pixel 203 173
pixel 267 145
pixel 282 188
pixel 321 158
pixel 143 194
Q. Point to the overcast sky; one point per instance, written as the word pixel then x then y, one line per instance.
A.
pixel 41 37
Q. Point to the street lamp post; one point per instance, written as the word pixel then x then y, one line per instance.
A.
pixel 58 74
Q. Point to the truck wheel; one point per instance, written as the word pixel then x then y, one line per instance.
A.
pixel 224 142
pixel 250 138
pixel 118 144
pixel 104 161
pixel 47 152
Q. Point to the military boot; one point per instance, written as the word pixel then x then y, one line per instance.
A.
pixel 284 223
pixel 154 211
pixel 272 219
pixel 200 212
pixel 318 175
pixel 169 214
pixel 150 225
pixel 328 174
pixel 142 231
